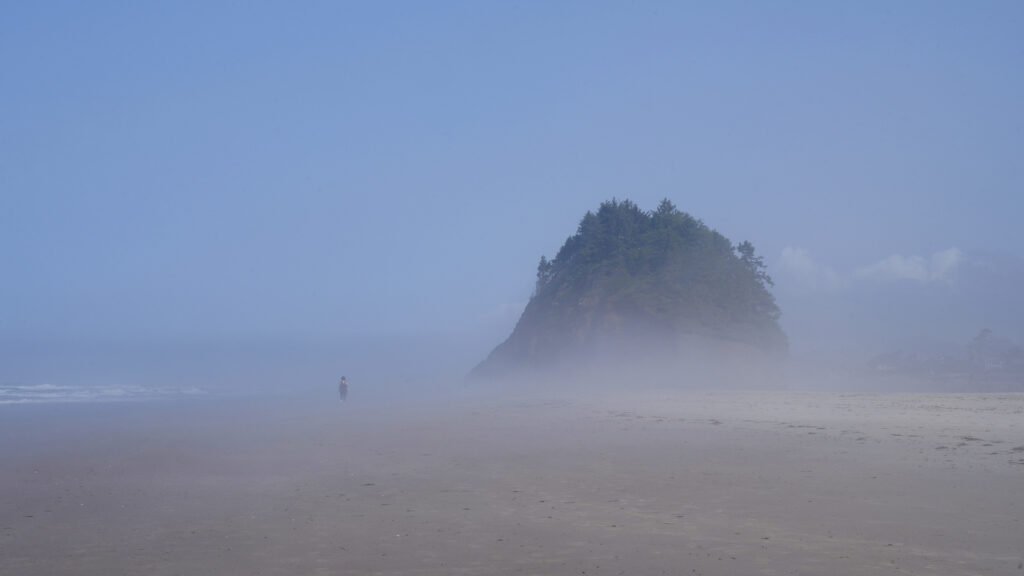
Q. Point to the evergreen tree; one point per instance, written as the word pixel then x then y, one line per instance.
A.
pixel 664 270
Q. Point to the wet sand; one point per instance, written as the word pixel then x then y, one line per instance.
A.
pixel 652 483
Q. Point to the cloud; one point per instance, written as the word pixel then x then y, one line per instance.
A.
pixel 799 271
pixel 940 267
pixel 896 267
pixel 797 265
pixel 945 263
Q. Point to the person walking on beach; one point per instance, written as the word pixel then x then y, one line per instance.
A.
pixel 343 388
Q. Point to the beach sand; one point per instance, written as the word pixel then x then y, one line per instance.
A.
pixel 655 482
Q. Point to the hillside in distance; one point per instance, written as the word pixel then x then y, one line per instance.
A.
pixel 633 290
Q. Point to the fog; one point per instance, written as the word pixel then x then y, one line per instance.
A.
pixel 382 368
pixel 210 214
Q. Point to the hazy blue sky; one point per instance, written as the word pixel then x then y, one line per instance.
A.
pixel 239 169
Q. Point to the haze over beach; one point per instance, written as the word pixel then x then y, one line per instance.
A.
pixel 617 288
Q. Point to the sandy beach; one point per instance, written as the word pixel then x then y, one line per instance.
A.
pixel 658 482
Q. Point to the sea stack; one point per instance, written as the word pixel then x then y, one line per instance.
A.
pixel 657 296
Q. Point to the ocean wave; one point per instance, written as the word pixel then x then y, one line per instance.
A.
pixel 41 393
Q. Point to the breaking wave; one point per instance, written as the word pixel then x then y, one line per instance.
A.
pixel 42 393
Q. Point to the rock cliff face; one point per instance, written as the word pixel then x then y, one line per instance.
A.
pixel 639 289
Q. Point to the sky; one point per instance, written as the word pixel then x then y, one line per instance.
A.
pixel 191 170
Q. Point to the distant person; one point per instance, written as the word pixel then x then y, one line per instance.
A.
pixel 343 388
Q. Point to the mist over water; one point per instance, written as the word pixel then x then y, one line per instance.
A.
pixel 379 368
pixel 383 369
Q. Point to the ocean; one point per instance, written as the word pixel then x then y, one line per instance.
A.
pixel 52 393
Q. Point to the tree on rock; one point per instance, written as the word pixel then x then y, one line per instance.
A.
pixel 629 281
